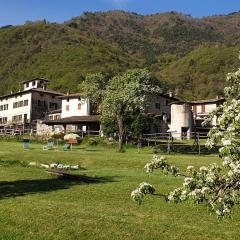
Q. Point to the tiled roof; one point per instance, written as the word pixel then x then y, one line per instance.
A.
pixel 40 90
pixel 215 100
pixel 56 111
pixel 74 120
pixel 73 95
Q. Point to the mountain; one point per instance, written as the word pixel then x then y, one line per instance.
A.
pixel 189 55
pixel 55 52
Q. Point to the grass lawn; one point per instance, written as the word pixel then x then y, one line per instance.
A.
pixel 35 205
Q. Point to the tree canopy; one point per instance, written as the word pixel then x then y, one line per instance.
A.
pixel 125 97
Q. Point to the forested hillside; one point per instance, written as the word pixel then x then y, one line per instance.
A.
pixel 190 56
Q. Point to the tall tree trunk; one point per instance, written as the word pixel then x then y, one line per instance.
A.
pixel 120 133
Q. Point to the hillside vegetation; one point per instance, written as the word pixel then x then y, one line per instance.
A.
pixel 190 56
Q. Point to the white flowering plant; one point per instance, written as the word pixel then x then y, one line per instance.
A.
pixel 144 188
pixel 217 186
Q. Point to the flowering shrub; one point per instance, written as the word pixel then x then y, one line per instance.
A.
pixel 144 189
pixel 161 163
pixel 216 186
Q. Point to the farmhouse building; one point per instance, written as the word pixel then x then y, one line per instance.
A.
pixel 189 116
pixel 21 109
pixel 77 114
pixel 80 115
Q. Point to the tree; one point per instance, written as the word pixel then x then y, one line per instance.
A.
pixel 125 95
pixel 95 86
pixel 216 186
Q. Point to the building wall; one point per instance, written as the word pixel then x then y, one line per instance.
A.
pixel 208 107
pixel 181 118
pixel 70 107
pixel 202 110
pixel 42 103
pixel 159 105
pixel 19 108
pixel 35 84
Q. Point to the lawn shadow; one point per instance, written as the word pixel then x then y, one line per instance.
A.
pixel 25 187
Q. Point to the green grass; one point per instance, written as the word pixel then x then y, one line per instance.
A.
pixel 34 205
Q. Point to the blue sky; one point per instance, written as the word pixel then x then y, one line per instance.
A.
pixel 19 11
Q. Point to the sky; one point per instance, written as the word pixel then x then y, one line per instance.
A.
pixel 15 12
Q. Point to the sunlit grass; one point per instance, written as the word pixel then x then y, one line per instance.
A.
pixel 35 205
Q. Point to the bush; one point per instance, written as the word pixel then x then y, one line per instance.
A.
pixel 93 141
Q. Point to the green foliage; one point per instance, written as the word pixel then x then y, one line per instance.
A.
pixel 186 54
pixel 93 141
pixel 124 98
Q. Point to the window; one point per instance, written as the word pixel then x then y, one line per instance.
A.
pixel 3 120
pixel 79 106
pixel 195 108
pixel 20 104
pixel 157 105
pixel 17 118
pixel 15 105
pixel 53 105
pixel 25 118
pixel 67 99
pixel 25 103
pixel 203 108
pixel 27 85
pixel 79 98
pixel 39 103
pixel 56 117
pixel 33 83
pixel 4 107
pixel 67 108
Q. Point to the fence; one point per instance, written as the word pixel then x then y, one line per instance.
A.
pixel 173 138
pixel 13 132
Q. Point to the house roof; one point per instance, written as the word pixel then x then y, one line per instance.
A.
pixel 40 90
pixel 35 79
pixel 215 100
pixel 169 96
pixel 74 120
pixel 73 95
pixel 56 111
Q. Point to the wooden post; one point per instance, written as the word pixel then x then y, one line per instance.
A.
pixel 199 146
pixel 168 144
